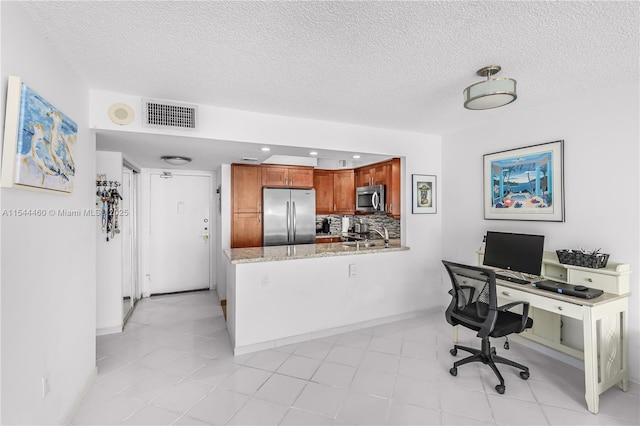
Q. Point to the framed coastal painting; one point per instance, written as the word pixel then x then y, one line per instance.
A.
pixel 424 194
pixel 525 183
pixel 39 142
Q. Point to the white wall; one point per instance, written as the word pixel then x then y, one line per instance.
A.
pixel 421 152
pixel 601 135
pixel 108 257
pixel 47 263
pixel 222 233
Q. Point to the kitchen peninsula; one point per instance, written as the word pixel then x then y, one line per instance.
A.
pixel 280 295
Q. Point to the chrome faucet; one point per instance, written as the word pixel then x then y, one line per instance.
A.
pixel 385 235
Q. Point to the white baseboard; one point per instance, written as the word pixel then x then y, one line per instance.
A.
pixel 270 344
pixel 78 399
pixel 109 330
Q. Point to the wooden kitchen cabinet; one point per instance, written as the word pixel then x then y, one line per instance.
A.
pixel 375 174
pixel 323 184
pixel 393 192
pixel 246 181
pixel 344 192
pixel 335 191
pixel 246 201
pixel 287 177
pixel 246 230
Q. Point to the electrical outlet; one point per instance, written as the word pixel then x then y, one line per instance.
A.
pixel 265 281
pixel 45 386
pixel 353 270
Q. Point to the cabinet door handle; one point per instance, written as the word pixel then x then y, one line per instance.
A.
pixel 589 280
pixel 505 293
pixel 559 308
pixel 334 207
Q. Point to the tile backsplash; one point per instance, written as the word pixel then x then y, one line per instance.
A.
pixel 374 221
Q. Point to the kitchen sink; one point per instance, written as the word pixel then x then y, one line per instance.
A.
pixel 363 244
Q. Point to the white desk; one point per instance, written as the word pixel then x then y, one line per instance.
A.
pixel 604 320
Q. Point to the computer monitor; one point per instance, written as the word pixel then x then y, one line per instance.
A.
pixel 514 252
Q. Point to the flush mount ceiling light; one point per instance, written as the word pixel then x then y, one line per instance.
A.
pixel 491 93
pixel 175 160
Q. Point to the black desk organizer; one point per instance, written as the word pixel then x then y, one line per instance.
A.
pixel 578 258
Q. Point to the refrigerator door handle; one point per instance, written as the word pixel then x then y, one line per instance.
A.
pixel 293 218
pixel 288 224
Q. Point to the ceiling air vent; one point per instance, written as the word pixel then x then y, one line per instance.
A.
pixel 169 114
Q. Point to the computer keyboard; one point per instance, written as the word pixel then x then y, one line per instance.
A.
pixel 512 279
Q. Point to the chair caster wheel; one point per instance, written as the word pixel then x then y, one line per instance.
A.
pixel 493 351
pixel 453 352
pixel 524 375
pixel 454 372
pixel 500 389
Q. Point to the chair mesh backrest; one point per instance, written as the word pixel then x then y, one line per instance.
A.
pixel 473 296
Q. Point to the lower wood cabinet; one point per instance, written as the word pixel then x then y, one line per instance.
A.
pixel 246 230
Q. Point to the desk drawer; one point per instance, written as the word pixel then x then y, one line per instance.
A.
pixel 563 308
pixel 506 295
pixel 607 283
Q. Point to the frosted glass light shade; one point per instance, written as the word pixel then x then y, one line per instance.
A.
pixel 175 160
pixel 490 94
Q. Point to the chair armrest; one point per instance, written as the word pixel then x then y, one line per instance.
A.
pixel 471 289
pixel 525 312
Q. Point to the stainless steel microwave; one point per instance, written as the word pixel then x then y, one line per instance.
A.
pixel 370 199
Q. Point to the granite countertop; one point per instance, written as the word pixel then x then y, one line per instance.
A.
pixel 306 251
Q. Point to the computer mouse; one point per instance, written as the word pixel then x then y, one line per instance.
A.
pixel 580 288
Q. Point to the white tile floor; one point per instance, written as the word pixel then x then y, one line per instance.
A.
pixel 173 364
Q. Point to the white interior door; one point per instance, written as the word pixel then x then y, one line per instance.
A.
pixel 180 226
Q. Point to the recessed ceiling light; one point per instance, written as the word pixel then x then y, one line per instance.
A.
pixel 265 148
pixel 356 156
pixel 175 160
pixel 313 153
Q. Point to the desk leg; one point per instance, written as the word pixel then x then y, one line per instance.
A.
pixel 590 361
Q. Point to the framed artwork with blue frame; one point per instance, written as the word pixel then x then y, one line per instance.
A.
pixel 525 183
pixel 39 140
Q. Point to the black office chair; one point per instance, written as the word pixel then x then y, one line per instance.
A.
pixel 479 311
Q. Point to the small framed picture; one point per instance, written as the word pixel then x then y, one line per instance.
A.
pixel 424 194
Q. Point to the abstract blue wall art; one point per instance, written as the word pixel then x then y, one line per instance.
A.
pixel 525 183
pixel 45 142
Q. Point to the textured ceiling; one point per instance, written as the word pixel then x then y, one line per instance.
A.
pixel 399 65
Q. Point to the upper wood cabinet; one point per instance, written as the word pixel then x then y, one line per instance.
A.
pixel 335 191
pixel 344 192
pixel 323 184
pixel 393 194
pixel 375 174
pixel 387 173
pixel 246 181
pixel 287 176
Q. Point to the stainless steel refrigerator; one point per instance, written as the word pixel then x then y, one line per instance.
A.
pixel 289 216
